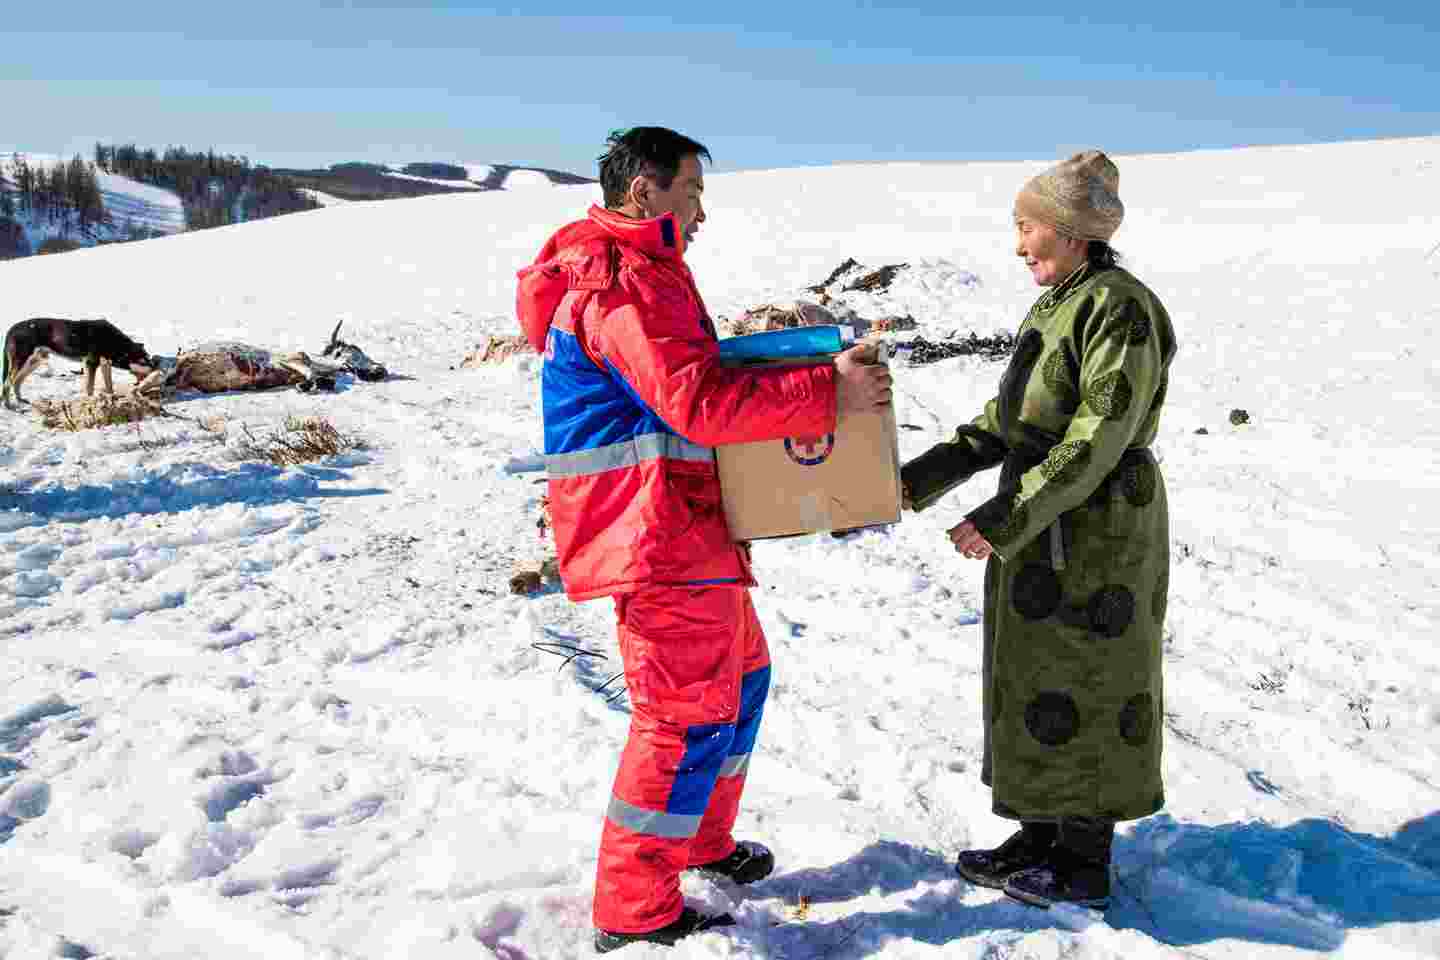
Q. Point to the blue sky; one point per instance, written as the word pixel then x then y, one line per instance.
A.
pixel 762 84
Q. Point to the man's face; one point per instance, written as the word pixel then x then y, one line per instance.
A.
pixel 683 198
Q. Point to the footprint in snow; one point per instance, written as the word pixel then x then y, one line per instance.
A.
pixel 37 556
pixel 35 583
pixel 132 843
pixel 357 811
pixel 239 780
pixel 296 887
pixel 26 800
pixel 23 726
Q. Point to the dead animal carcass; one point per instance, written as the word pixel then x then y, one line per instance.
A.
pixel 219 366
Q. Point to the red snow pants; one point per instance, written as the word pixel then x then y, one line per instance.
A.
pixel 697 669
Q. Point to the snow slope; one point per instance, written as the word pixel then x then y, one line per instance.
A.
pixel 131 204
pixel 249 711
pixel 482 176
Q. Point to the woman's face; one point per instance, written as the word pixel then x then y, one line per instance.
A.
pixel 1050 255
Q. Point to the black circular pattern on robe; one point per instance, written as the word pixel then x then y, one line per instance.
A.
pixel 1161 596
pixel 1056 375
pixel 1013 525
pixel 1052 718
pixel 1137 720
pixel 1066 461
pixel 1035 592
pixel 1111 610
pixel 1139 478
pixel 1110 395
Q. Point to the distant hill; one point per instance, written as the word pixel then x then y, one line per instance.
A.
pixel 131 211
pixel 145 194
pixel 374 181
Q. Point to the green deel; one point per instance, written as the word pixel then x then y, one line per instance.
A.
pixel 1075 591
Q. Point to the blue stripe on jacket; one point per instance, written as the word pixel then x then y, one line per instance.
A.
pixel 586 406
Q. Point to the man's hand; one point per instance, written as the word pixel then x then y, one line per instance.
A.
pixel 860 384
pixel 969 542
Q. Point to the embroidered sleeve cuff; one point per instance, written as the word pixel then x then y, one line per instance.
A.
pixel 1001 521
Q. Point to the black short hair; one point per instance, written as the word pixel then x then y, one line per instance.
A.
pixel 1101 254
pixel 643 151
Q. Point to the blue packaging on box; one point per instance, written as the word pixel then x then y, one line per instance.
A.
pixel 780 344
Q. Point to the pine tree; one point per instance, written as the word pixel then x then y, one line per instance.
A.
pixel 25 182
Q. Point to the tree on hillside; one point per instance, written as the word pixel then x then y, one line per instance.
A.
pixel 40 193
pixel 25 183
pixel 216 189
pixel 75 183
pixel 84 194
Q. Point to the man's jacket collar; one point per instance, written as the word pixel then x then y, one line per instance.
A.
pixel 659 237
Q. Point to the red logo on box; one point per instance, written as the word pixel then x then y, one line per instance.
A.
pixel 809 451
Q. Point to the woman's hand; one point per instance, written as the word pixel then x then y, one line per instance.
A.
pixel 969 542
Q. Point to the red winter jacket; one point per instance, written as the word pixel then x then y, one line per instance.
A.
pixel 634 397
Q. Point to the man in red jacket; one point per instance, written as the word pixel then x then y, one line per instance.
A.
pixel 634 398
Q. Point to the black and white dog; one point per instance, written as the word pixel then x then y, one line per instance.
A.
pixel 99 344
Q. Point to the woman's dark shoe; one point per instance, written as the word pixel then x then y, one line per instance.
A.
pixel 1029 847
pixel 690 921
pixel 1064 879
pixel 747 863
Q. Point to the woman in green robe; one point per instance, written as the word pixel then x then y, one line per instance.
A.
pixel 1077 543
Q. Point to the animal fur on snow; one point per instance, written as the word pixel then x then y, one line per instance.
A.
pixel 495 349
pixel 219 366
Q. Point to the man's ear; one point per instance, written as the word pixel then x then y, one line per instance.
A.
pixel 639 193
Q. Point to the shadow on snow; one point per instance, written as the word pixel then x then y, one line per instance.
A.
pixel 595 670
pixel 888 867
pixel 181 487
pixel 1303 885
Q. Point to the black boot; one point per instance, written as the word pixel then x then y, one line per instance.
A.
pixel 1077 871
pixel 991 868
pixel 747 863
pixel 690 921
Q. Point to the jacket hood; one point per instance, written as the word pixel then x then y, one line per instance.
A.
pixel 582 256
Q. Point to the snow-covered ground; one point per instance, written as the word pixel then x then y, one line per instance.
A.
pixel 132 205
pixel 478 172
pixel 248 711
pixel 145 206
pixel 324 199
pixel 526 179
pixel 478 176
pixel 395 170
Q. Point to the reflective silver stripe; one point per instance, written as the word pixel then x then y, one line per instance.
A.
pixel 1057 546
pixel 626 453
pixel 672 826
pixel 735 766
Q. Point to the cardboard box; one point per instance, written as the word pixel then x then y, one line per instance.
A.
pixel 780 488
